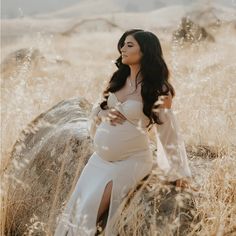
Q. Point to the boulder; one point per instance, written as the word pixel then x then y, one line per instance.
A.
pixel 29 61
pixel 154 207
pixel 45 164
pixel 190 32
pixel 22 58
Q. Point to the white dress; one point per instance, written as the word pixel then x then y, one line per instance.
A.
pixel 122 155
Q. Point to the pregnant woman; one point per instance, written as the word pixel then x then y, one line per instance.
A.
pixel 138 97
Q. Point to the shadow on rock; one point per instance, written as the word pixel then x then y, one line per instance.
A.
pixel 45 164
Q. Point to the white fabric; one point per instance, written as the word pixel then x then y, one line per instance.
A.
pixel 93 120
pixel 122 155
pixel 171 153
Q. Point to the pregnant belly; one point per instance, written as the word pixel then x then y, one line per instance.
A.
pixel 119 142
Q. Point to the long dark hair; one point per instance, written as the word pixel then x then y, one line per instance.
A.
pixel 152 68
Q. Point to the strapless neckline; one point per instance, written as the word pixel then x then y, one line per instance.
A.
pixel 130 108
pixel 128 100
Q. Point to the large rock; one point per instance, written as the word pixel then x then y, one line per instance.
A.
pixel 155 207
pixel 23 58
pixel 45 165
pixel 29 61
pixel 190 32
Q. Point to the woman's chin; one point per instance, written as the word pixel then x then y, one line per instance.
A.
pixel 125 62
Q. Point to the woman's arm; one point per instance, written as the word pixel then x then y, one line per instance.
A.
pixel 94 120
pixel 98 114
pixel 171 153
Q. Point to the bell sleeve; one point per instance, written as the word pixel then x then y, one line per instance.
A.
pixel 171 154
pixel 94 120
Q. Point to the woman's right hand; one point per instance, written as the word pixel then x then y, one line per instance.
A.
pixel 112 115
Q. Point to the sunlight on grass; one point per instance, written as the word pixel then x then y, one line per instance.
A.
pixel 52 68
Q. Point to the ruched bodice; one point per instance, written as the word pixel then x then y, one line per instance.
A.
pixel 131 109
pixel 121 141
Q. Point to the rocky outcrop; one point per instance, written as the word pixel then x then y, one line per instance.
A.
pixel 45 165
pixel 91 25
pixel 190 32
pixel 155 207
pixel 22 58
pixel 28 61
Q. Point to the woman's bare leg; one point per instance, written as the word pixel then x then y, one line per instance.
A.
pixel 104 204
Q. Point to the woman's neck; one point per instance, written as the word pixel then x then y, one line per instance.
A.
pixel 134 70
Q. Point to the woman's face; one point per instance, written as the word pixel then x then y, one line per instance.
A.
pixel 130 52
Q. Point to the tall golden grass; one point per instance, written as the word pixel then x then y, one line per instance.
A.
pixel 203 75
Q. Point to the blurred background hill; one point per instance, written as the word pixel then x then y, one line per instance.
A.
pixel 19 8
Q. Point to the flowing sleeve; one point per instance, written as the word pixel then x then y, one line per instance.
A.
pixel 94 120
pixel 171 154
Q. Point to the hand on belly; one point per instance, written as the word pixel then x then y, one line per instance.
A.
pixel 118 142
pixel 113 116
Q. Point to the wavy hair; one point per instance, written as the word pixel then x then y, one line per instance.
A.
pixel 153 69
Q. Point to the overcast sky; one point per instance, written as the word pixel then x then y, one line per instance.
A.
pixel 19 8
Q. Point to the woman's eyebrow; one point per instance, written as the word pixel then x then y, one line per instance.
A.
pixel 129 42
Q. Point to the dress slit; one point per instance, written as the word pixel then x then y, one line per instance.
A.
pixel 92 203
pixel 80 215
pixel 110 201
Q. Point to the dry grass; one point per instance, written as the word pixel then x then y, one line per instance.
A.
pixel 204 78
pixel 216 203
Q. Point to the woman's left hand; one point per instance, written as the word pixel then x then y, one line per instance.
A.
pixel 182 183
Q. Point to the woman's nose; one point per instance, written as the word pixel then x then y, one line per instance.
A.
pixel 123 49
